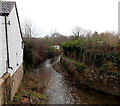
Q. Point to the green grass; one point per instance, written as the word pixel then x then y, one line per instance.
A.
pixel 16 98
pixel 78 65
pixel 40 98
pixel 72 61
pixel 26 89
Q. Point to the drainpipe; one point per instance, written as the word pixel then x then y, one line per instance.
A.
pixel 8 62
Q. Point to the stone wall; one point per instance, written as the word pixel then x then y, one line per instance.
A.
pixel 16 80
pixel 9 85
pixel 100 80
pixel 5 88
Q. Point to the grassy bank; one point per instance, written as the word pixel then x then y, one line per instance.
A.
pixel 87 94
pixel 35 51
pixel 29 91
pixel 103 81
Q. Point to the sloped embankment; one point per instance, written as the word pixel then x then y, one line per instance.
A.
pixel 104 81
pixel 30 91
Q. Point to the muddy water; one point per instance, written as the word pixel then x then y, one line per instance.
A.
pixel 61 91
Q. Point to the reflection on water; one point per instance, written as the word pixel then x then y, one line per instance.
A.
pixel 60 91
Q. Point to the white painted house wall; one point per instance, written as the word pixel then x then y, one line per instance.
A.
pixel 1 46
pixel 3 51
pixel 14 43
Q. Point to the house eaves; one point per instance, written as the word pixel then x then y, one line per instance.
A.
pixel 6 7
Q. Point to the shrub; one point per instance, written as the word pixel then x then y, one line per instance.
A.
pixel 99 59
pixel 50 52
pixel 35 51
pixel 28 56
pixel 92 52
pixel 80 68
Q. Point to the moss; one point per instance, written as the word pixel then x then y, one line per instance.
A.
pixel 16 98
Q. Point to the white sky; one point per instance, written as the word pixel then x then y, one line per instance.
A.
pixel 64 15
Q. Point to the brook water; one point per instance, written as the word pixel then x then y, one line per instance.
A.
pixel 61 91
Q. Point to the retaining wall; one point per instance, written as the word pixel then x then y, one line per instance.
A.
pixel 9 85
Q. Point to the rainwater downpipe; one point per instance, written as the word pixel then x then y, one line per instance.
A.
pixel 7 47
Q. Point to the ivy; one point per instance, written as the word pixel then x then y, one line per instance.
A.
pixel 92 53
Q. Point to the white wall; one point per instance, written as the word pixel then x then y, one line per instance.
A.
pixel 14 42
pixel 3 52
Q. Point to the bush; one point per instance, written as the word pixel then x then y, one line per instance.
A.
pixel 28 56
pixel 92 53
pixel 35 51
pixel 50 52
pixel 80 68
pixel 98 60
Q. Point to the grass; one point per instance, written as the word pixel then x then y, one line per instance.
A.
pixel 16 98
pixel 73 61
pixel 81 66
pixel 29 89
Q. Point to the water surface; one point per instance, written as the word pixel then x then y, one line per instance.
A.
pixel 61 91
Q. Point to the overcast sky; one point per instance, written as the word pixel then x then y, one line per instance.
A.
pixel 64 15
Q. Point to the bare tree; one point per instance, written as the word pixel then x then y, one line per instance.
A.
pixel 95 35
pixel 110 38
pixel 88 33
pixel 79 32
pixel 29 30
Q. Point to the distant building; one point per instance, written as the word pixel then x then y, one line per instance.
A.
pixel 56 47
pixel 11 49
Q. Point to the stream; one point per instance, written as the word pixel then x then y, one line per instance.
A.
pixel 61 91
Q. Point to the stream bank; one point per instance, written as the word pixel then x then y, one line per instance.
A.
pixel 86 94
pixel 104 81
pixel 55 86
pixel 63 89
